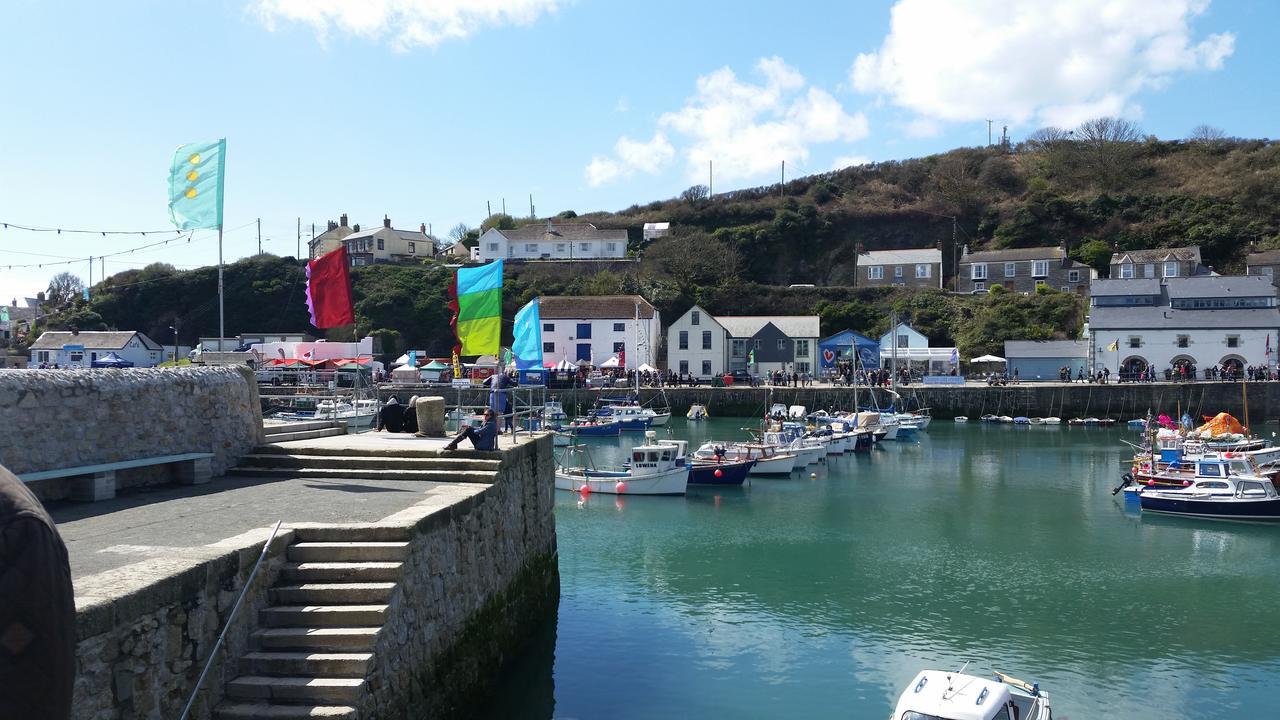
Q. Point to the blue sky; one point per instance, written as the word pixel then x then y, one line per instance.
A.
pixel 426 109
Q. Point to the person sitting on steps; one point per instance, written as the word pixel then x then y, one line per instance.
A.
pixel 486 438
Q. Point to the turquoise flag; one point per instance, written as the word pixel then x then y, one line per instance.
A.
pixel 526 341
pixel 195 185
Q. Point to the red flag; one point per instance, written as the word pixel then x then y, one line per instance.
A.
pixel 329 290
pixel 622 358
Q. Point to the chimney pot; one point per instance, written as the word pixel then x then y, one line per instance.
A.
pixel 386 222
pixel 356 227
pixel 422 228
pixel 343 221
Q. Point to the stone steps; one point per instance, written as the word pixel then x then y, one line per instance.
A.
pixel 365 474
pixel 302 460
pixel 271 429
pixel 427 450
pixel 305 434
pixel 315 643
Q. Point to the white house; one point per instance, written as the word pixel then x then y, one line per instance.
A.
pixel 80 349
pixel 1202 321
pixel 655 230
pixel 697 343
pixel 904 345
pixel 597 328
pixel 568 241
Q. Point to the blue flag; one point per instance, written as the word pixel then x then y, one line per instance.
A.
pixel 526 341
pixel 195 185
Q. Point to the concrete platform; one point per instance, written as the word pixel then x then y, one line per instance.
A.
pixel 384 442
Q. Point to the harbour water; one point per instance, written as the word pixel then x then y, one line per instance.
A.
pixel 820 597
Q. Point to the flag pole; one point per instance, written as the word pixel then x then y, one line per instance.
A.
pixel 222 329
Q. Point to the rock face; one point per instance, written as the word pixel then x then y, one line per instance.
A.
pixel 70 418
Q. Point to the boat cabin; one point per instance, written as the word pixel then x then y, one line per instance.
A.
pixel 657 457
pixel 939 695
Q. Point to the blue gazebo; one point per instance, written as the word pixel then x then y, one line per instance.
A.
pixel 842 346
pixel 111 360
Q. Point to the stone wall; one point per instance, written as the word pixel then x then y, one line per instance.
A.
pixel 69 418
pixel 480 579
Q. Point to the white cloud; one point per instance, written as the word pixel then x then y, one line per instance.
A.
pixel 845 161
pixel 745 128
pixel 1045 61
pixel 630 156
pixel 404 23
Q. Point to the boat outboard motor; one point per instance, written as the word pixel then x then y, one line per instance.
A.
pixel 1125 481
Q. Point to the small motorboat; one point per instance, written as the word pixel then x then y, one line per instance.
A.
pixel 561 439
pixel 1106 422
pixel 594 427
pixel 697 412
pixel 778 411
pixel 769 459
pixel 939 695
pixel 807 451
pixel 962 419
pixel 1076 421
pixel 1137 424
pixel 655 468
pixel 1221 490
pixel 553 412
pixel 1036 421
pixel 1022 420
pixel 729 472
pixel 1006 419
pixel 1053 420
pixel 990 418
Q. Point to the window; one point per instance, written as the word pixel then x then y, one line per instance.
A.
pixel 1212 484
pixel 979 271
pixel 493 247
pixel 1183 341
pixel 1208 469
pixel 619 327
pixel 559 247
pixel 1040 268
pixel 1073 276
pixel 548 327
pixel 684 339
pixel 584 331
pixel 620 347
pixel 875 272
pixel 782 344
pixel 548 347
pixel 412 250
pixel 738 348
pixel 802 348
pixel 922 270
pixel 1064 288
pixel 1249 488
pixel 1149 270
pixel 903 341
pixel 584 352
pixel 695 318
pixel 802 367
pixel 1135 341
pixel 706 339
pixel 531 247
pixel 1126 271
pixel 706 367
pixel 1010 269
pixel 684 367
pixel 612 247
pixel 75 356
pixel 585 247
pixel 897 271
pixel 1233 341
pixel 1171 269
pixel 757 344
pixel 380 244
pixel 979 286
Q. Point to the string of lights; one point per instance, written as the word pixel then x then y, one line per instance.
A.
pixel 55 263
pixel 63 260
pixel 103 233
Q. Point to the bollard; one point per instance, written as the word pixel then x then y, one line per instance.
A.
pixel 430 416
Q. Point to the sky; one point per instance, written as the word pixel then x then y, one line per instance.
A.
pixel 432 111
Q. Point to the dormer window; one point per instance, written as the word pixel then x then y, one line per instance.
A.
pixel 1126 271
pixel 1171 269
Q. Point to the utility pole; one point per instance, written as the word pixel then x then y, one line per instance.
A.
pixel 488 211
pixel 782 187
pixel 504 206
pixel 90 273
pixel 259 236
pixel 711 179
pixel 988 133
pixel 532 214
pixel 297 253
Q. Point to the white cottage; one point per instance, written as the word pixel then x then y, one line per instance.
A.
pixel 80 349
pixel 599 327
pixel 567 241
pixel 697 343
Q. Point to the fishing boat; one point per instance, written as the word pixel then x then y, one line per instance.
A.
pixel 628 417
pixel 943 695
pixel 561 439
pixel 727 472
pixel 553 412
pixel 655 468
pixel 807 451
pixel 1223 489
pixel 593 427
pixel 361 414
pixel 697 412
pixel 769 459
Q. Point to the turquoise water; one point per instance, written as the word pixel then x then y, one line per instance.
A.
pixel 821 597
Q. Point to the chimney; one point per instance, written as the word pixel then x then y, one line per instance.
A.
pixel 343 221
pixel 422 228
pixel 14 303
pixel 333 225
pixel 386 222
pixel 356 227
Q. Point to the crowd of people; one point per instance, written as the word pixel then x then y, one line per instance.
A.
pixel 1182 372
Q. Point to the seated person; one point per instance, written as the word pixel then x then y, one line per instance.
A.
pixel 410 418
pixel 390 417
pixel 486 438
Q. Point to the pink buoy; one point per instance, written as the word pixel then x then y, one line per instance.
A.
pixel 1186 483
pixel 719 472
pixel 1151 482
pixel 620 488
pixel 585 489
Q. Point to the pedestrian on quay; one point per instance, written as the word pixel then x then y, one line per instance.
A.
pixel 486 438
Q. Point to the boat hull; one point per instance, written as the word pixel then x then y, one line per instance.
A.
pixel 1267 509
pixel 731 473
pixel 669 482
pixel 660 419
pixel 776 465
pixel 602 430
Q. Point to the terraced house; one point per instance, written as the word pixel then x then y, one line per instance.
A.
pixel 919 268
pixel 553 241
pixel 1023 270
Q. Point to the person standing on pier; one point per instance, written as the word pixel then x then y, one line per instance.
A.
pixel 37 609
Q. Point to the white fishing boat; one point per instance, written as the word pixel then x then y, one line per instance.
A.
pixel 807 452
pixel 778 411
pixel 656 468
pixel 770 460
pixel 697 412
pixel 361 414
pixel 553 412
pixel 797 412
pixel 942 695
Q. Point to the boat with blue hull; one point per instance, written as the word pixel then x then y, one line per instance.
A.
pixel 722 473
pixel 1218 492
pixel 592 429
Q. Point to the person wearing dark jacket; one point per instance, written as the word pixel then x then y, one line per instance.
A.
pixel 37 609
pixel 486 438
pixel 391 417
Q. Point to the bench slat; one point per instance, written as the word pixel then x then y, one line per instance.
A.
pixel 112 466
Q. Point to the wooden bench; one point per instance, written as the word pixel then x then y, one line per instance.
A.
pixel 98 482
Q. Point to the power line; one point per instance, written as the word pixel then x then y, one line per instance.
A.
pixel 74 261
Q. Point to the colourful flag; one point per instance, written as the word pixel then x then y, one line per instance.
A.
pixel 195 185
pixel 477 309
pixel 329 290
pixel 1114 346
pixel 751 357
pixel 526 341
pixel 4 314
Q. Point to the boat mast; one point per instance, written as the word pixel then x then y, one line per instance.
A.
pixel 637 331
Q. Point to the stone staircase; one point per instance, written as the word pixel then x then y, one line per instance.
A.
pixel 304 430
pixel 426 463
pixel 316 639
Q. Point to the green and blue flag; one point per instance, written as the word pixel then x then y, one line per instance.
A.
pixel 195 185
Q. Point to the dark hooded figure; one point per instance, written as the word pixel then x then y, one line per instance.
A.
pixel 391 417
pixel 37 609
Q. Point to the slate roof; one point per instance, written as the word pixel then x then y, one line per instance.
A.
pixel 1213 286
pixel 1269 257
pixel 744 326
pixel 1114 287
pixel 900 257
pixel 1161 317
pixel 586 307
pixel 18 314
pixel 1191 253
pixel 1049 252
pixel 568 232
pixel 55 339
pixel 1046 349
pixel 410 235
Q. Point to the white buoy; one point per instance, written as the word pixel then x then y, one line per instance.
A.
pixel 813 476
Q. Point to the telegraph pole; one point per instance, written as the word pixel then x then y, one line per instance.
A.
pixel 989 133
pixel 297 253
pixel 259 236
pixel 782 187
pixel 532 214
pixel 711 178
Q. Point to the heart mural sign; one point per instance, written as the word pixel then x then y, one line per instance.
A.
pixel 828 356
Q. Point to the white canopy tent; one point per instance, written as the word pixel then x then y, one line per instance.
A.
pixel 610 363
pixel 646 367
pixel 988 359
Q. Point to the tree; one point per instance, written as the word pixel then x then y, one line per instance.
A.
pixel 1206 134
pixel 1107 148
pixel 502 221
pixel 695 194
pixel 63 289
pixel 567 215
pixel 1094 253
pixel 459 232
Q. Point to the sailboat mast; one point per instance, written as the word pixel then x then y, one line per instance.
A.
pixel 637 332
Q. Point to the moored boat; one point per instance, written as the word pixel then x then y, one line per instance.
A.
pixel 729 472
pixel 962 419
pixel 697 412
pixel 769 460
pixel 655 468
pixel 594 427
pixel 1219 491
pixel 942 695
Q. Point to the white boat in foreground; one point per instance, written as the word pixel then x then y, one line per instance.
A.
pixel 942 695
pixel 656 468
